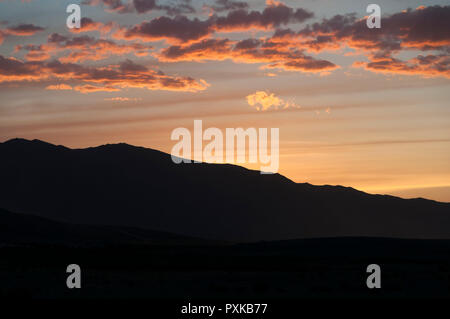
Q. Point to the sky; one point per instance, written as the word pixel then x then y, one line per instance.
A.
pixel 359 107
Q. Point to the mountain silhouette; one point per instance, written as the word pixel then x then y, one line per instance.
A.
pixel 128 186
pixel 28 230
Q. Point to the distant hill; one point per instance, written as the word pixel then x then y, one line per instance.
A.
pixel 130 186
pixel 27 230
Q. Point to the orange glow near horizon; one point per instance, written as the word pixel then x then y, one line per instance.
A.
pixel 362 108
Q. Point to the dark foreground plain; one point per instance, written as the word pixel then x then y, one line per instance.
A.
pixel 163 266
pixel 328 268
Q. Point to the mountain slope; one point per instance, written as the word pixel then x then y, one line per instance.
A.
pixel 132 186
pixel 21 229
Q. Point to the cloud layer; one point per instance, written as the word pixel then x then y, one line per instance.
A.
pixel 182 34
pixel 108 78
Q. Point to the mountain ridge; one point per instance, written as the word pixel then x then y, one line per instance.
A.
pixel 125 185
pixel 120 144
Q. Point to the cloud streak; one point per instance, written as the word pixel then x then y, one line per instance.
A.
pixel 81 48
pixel 108 78
pixel 144 6
pixel 275 56
pixel 22 30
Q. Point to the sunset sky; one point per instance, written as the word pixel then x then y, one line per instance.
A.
pixel 359 107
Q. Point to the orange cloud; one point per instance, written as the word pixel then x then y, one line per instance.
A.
pixel 2 36
pixel 91 88
pixel 247 51
pixel 208 49
pixel 427 66
pixel 263 101
pixel 89 25
pixel 113 77
pixel 59 87
pixel 82 48
pixel 19 30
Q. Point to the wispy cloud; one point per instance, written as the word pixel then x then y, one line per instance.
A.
pixel 59 87
pixel 123 99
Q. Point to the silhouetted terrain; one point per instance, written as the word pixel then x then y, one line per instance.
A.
pixel 165 267
pixel 29 231
pixel 129 262
pixel 131 186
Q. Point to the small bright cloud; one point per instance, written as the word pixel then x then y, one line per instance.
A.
pixel 263 101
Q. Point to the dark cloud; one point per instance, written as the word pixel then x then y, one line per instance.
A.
pixel 211 49
pixel 273 55
pixel 182 28
pixel 272 16
pixel 144 6
pixel 19 30
pixel 422 29
pixel 428 66
pixel 24 29
pixel 178 28
pixel 426 28
pixel 247 44
pixel 117 6
pixel 228 5
pixel 180 7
